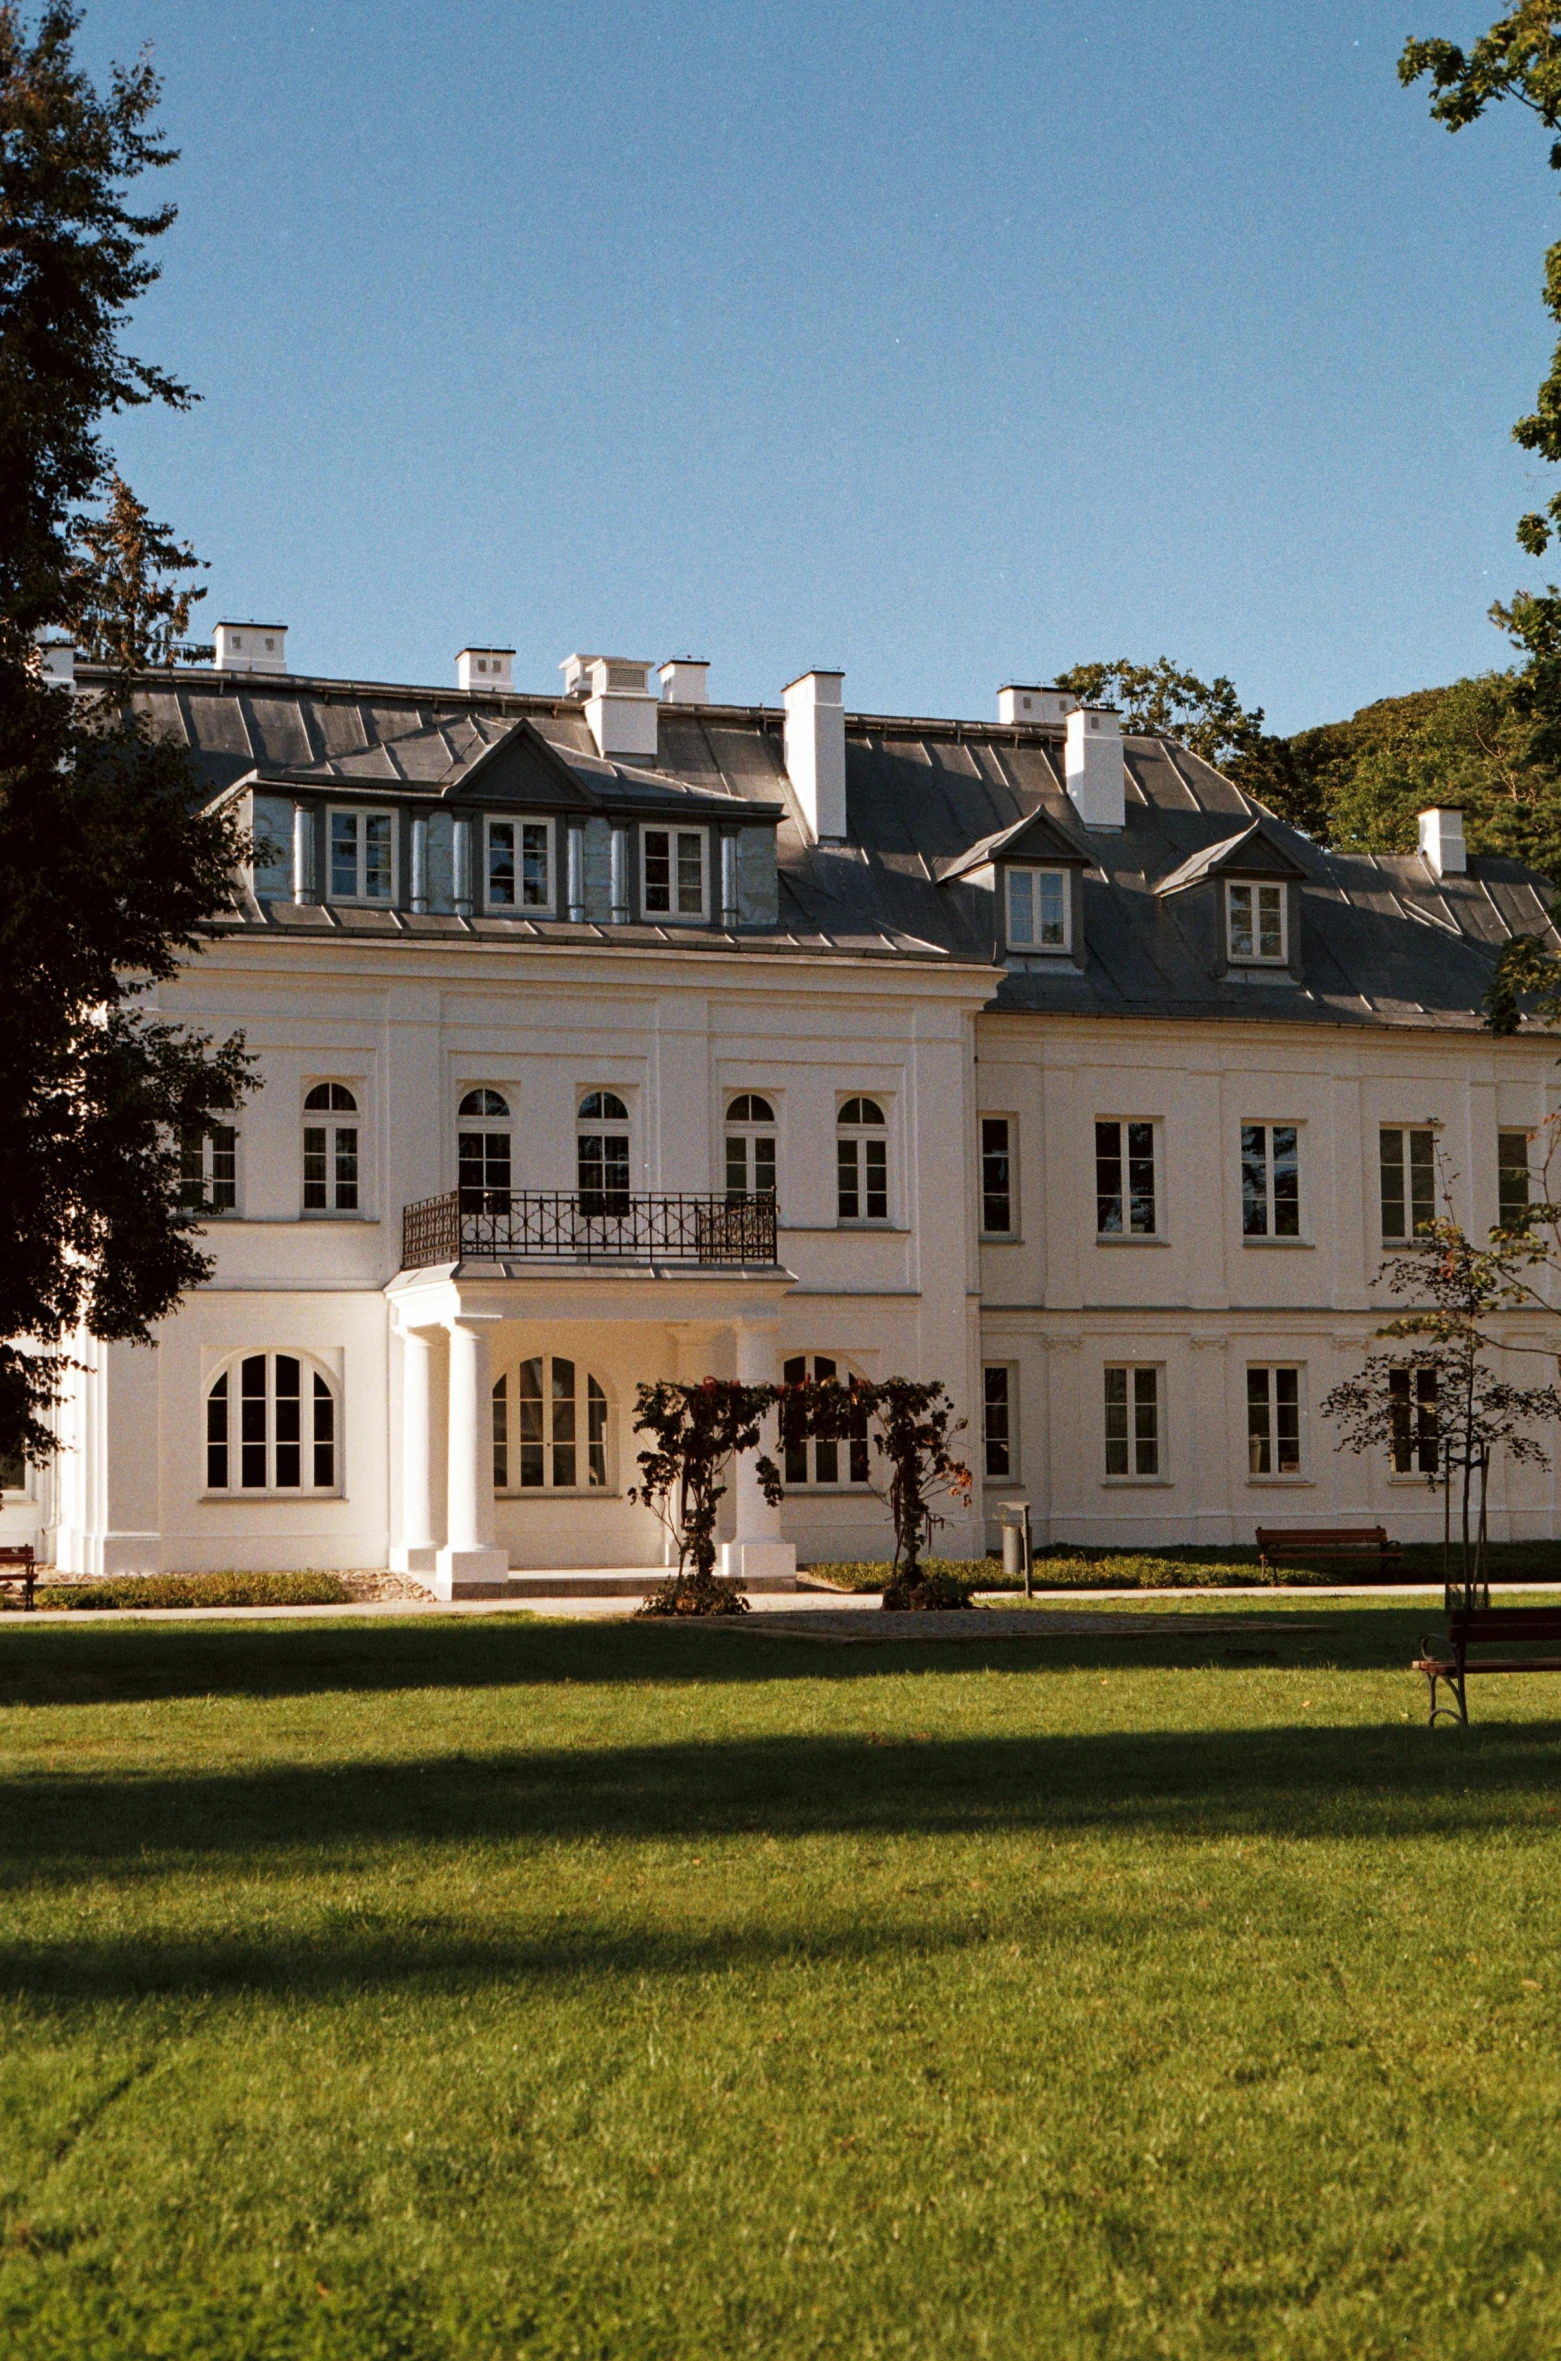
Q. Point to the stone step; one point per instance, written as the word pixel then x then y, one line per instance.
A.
pixel 613 1584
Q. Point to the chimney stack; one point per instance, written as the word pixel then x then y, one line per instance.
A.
pixel 682 681
pixel 250 647
pixel 618 705
pixel 485 668
pixel 1097 781
pixel 1441 842
pixel 815 747
pixel 1015 702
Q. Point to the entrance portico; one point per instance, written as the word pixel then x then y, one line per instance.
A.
pixel 460 1330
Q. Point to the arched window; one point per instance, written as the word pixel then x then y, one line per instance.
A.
pixel 271 1427
pixel 750 1149
pixel 330 1150
pixel 862 1161
pixel 482 1152
pixel 602 1153
pixel 823 1461
pixel 549 1428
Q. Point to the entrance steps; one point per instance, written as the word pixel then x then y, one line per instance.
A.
pixel 615 1582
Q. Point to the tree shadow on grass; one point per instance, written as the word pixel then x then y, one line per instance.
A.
pixel 287 1821
pixel 140 1663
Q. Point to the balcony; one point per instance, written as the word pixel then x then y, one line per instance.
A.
pixel 607 1226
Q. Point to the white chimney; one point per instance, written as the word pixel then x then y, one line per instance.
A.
pixel 683 681
pixel 485 668
pixel 1096 779
pixel 250 647
pixel 815 746
pixel 1441 842
pixel 618 705
pixel 1017 703
pixel 56 660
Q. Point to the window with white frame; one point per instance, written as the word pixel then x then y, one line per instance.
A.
pixel 1255 922
pixel 13 1472
pixel 1038 918
pixel 363 856
pixel 862 1161
pixel 750 1148
pixel 997 1177
pixel 208 1169
pixel 825 1459
pixel 1126 1198
pixel 1270 1180
pixel 519 867
pixel 482 1146
pixel 1407 1153
pixel 602 1155
pixel 1274 1420
pixel 674 881
pixel 1414 1446
pixel 1514 1181
pixel 330 1149
pixel 549 1427
pixel 271 1426
pixel 997 1420
pixel 1133 1437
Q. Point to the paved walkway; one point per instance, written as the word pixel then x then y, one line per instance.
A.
pixel 800 1607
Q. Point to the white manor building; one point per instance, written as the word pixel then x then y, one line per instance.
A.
pixel 608 1036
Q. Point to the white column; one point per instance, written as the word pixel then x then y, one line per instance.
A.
pixel 468 1565
pixel 758 1553
pixel 414 1553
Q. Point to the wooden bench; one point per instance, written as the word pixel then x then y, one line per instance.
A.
pixel 1326 1541
pixel 1477 1627
pixel 16 1566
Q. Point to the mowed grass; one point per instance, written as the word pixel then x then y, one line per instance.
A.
pixel 475 1989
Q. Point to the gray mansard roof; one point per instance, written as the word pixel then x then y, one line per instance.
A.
pixel 931 805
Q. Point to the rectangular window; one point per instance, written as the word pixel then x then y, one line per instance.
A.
pixel 362 856
pixel 674 879
pixel 1124 1180
pixel 208 1169
pixel 1274 1422
pixel 1255 918
pixel 1408 1180
pixel 520 867
pixel 1512 1179
pixel 863 1176
pixel 1412 1409
pixel 13 1472
pixel 1038 909
pixel 1133 1422
pixel 330 1168
pixel 1270 1180
pixel 997 1421
pixel 997 1202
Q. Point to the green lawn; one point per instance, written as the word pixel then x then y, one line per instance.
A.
pixel 487 1989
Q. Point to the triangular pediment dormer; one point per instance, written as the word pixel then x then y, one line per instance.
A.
pixel 1037 837
pixel 1255 852
pixel 521 770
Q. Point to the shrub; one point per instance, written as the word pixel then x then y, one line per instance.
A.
pixel 198 1590
pixel 867 1574
pixel 682 1594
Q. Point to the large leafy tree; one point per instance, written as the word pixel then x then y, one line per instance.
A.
pixel 111 875
pixel 1160 699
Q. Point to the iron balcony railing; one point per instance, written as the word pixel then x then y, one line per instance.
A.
pixel 607 1225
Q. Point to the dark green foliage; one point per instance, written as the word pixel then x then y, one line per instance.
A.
pixel 110 878
pixel 1161 700
pixel 197 1590
pixel 130 607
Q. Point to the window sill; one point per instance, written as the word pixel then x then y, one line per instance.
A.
pixel 831 1491
pixel 1421 1483
pixel 1137 1483
pixel 1109 1238
pixel 885 1227
pixel 333 1213
pixel 1000 1238
pixel 542 1493
pixel 290 1492
pixel 1290 1243
pixel 1283 1483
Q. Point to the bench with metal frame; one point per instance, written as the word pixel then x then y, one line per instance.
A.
pixel 1480 1626
pixel 1303 1547
pixel 17 1567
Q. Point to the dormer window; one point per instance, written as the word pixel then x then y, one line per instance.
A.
pixel 362 856
pixel 1255 922
pixel 1037 908
pixel 520 865
pixel 673 884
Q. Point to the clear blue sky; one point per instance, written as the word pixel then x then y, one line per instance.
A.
pixel 947 344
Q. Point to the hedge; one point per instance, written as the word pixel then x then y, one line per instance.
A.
pixel 197 1590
